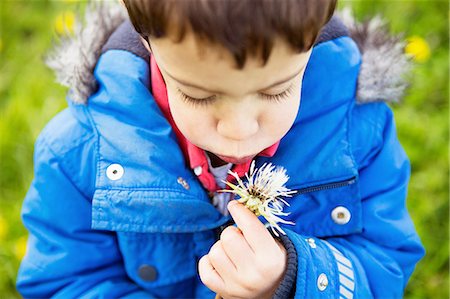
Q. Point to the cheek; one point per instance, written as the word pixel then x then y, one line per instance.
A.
pixel 191 121
pixel 281 116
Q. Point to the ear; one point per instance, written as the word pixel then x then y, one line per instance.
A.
pixel 121 2
pixel 146 43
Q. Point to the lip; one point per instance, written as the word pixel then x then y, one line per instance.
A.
pixel 236 160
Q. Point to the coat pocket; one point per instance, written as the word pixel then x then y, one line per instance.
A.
pixel 161 263
pixel 327 210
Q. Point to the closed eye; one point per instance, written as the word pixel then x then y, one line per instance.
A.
pixel 280 96
pixel 196 101
pixel 209 100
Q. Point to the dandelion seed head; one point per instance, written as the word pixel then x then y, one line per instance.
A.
pixel 263 193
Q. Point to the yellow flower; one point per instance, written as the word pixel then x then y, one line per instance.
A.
pixel 3 228
pixel 20 247
pixel 64 23
pixel 418 48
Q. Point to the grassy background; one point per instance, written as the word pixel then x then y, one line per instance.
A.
pixel 29 98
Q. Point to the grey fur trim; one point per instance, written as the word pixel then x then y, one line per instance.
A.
pixel 75 58
pixel 384 65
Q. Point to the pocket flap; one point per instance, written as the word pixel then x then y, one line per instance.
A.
pixel 327 210
pixel 162 263
pixel 153 211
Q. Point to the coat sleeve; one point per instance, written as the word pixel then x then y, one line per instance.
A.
pixel 377 262
pixel 65 257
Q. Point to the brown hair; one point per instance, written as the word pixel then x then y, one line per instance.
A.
pixel 241 26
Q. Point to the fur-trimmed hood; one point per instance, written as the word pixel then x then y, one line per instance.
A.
pixel 381 77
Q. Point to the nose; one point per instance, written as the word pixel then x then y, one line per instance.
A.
pixel 238 123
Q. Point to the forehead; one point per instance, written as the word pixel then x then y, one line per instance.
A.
pixel 213 67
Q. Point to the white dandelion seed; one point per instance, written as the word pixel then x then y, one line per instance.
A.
pixel 263 193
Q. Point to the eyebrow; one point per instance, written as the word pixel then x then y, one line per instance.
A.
pixel 219 92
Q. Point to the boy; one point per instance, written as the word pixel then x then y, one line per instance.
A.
pixel 125 204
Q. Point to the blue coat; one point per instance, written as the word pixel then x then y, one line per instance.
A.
pixel 132 230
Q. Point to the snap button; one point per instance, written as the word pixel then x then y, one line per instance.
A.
pixel 311 242
pixel 183 183
pixel 198 170
pixel 114 172
pixel 147 273
pixel 341 215
pixel 322 282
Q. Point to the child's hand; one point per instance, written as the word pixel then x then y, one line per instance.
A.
pixel 245 262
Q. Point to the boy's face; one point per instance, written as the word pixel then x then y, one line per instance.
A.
pixel 234 114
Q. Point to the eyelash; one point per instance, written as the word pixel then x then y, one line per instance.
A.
pixel 196 102
pixel 206 101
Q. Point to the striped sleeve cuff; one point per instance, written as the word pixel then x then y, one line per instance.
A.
pixel 346 274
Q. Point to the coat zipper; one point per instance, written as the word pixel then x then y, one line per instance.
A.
pixel 326 186
pixel 299 191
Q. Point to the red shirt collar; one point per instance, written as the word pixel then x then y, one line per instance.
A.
pixel 195 156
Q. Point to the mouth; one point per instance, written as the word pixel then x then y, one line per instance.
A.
pixel 236 160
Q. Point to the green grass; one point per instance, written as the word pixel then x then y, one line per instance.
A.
pixel 29 98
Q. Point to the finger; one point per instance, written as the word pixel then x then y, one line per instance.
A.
pixel 253 230
pixel 209 276
pixel 221 262
pixel 236 247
